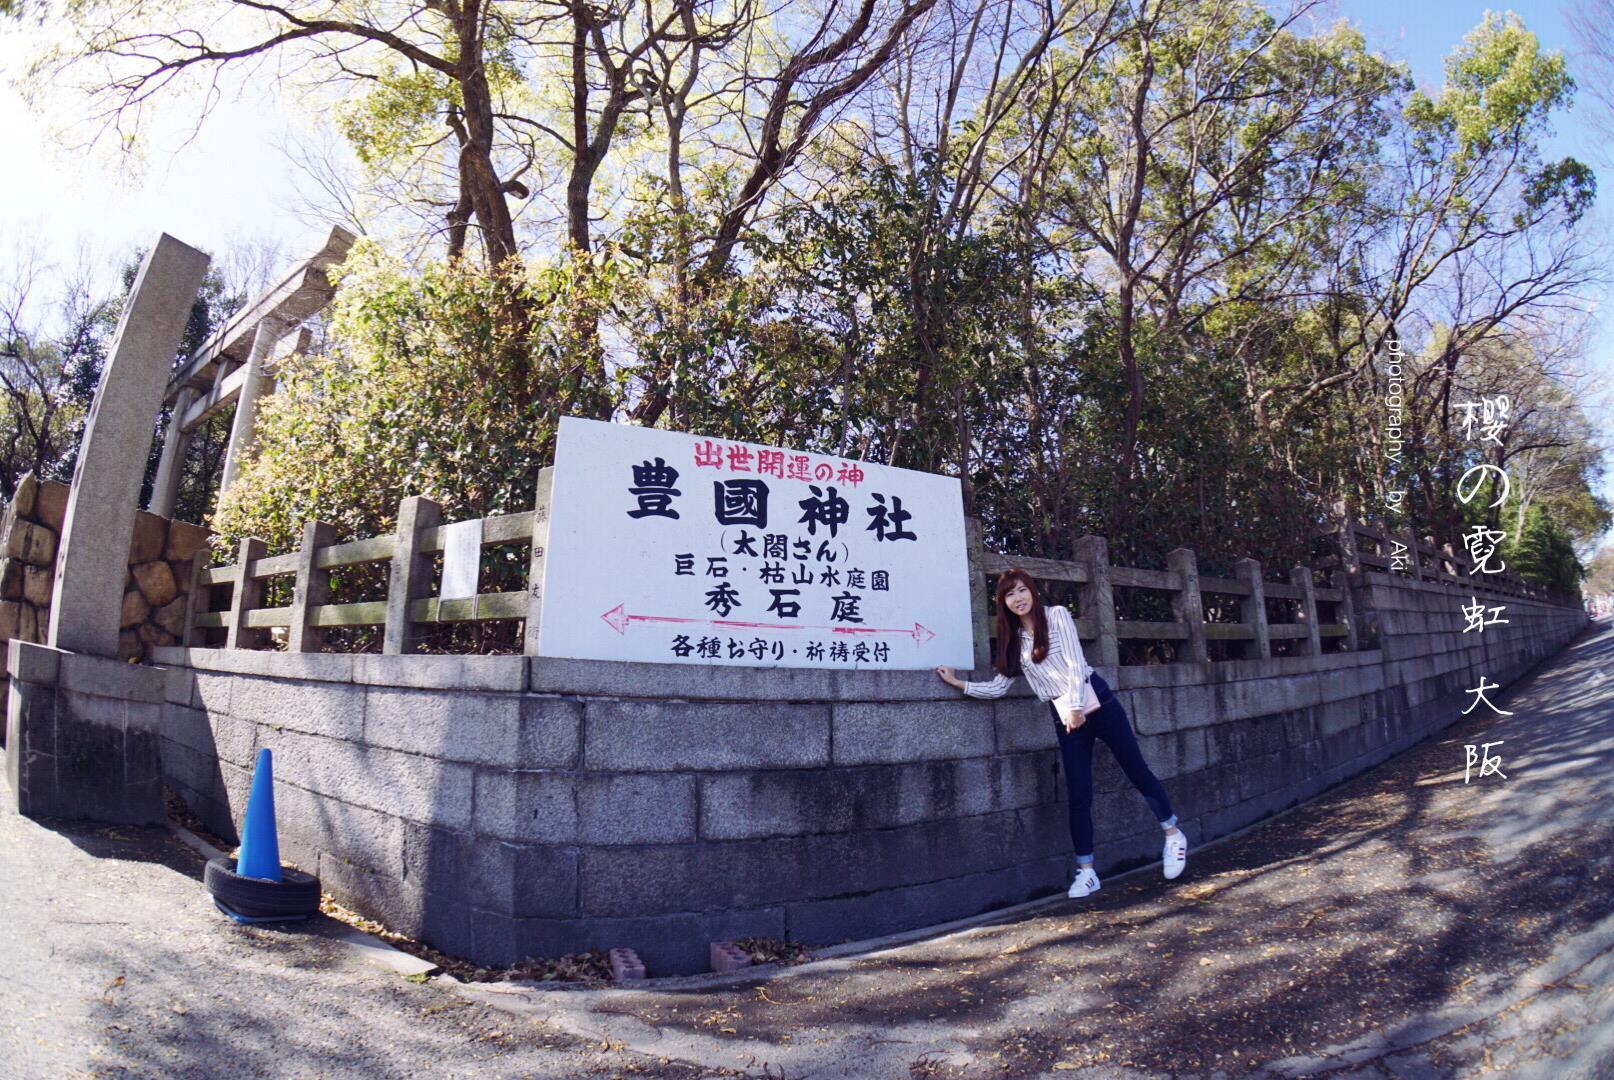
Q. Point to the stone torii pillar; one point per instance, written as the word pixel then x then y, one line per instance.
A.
pixel 92 560
pixel 254 380
pixel 165 489
pixel 246 386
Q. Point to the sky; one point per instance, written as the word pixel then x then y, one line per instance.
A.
pixel 228 183
pixel 220 184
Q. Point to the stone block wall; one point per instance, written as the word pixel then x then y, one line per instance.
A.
pixel 81 738
pixel 155 591
pixel 503 807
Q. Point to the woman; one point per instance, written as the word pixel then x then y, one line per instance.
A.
pixel 1041 643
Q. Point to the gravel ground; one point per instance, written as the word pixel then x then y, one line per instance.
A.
pixel 1404 924
pixel 118 964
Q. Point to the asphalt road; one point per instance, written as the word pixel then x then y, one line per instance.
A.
pixel 1404 924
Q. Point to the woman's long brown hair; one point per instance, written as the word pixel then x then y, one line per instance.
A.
pixel 1007 660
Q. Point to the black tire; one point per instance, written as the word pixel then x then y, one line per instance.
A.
pixel 296 894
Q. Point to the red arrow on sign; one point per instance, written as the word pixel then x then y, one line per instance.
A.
pixel 619 620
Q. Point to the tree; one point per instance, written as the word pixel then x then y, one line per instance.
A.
pixel 1600 571
pixel 1545 554
pixel 419 391
pixel 427 57
pixel 1467 238
pixel 1125 268
pixel 1206 145
pixel 1592 23
pixel 50 345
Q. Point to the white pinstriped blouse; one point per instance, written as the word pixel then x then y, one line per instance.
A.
pixel 1059 677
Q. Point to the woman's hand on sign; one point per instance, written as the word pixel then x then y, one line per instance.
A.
pixel 949 678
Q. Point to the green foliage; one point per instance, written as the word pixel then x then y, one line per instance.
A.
pixel 1567 182
pixel 874 300
pixel 1600 572
pixel 435 389
pixel 1499 82
pixel 1544 553
pixel 1209 221
pixel 392 119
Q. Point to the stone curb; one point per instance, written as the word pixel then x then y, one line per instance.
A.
pixel 842 957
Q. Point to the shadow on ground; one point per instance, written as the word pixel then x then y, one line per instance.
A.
pixel 1393 894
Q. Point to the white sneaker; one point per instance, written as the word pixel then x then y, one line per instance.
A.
pixel 1176 854
pixel 1084 884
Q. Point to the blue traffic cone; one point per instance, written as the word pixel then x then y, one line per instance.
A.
pixel 259 856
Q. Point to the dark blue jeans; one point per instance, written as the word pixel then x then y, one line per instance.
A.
pixel 1110 723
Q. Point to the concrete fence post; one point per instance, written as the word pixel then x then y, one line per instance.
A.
pixel 1187 607
pixel 411 577
pixel 1350 558
pixel 1097 597
pixel 980 637
pixel 1448 564
pixel 312 587
pixel 247 595
pixel 1253 608
pixel 1410 538
pixel 1301 576
pixel 533 629
pixel 1350 573
pixel 1347 608
pixel 193 602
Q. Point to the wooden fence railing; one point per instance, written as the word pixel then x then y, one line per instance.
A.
pixel 1096 580
pixel 411 606
pixel 1420 559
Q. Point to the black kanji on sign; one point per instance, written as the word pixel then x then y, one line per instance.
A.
pixel 741 502
pixel 846 607
pixel 653 487
pixel 887 523
pixel 723 599
pixel 785 607
pixel 824 509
